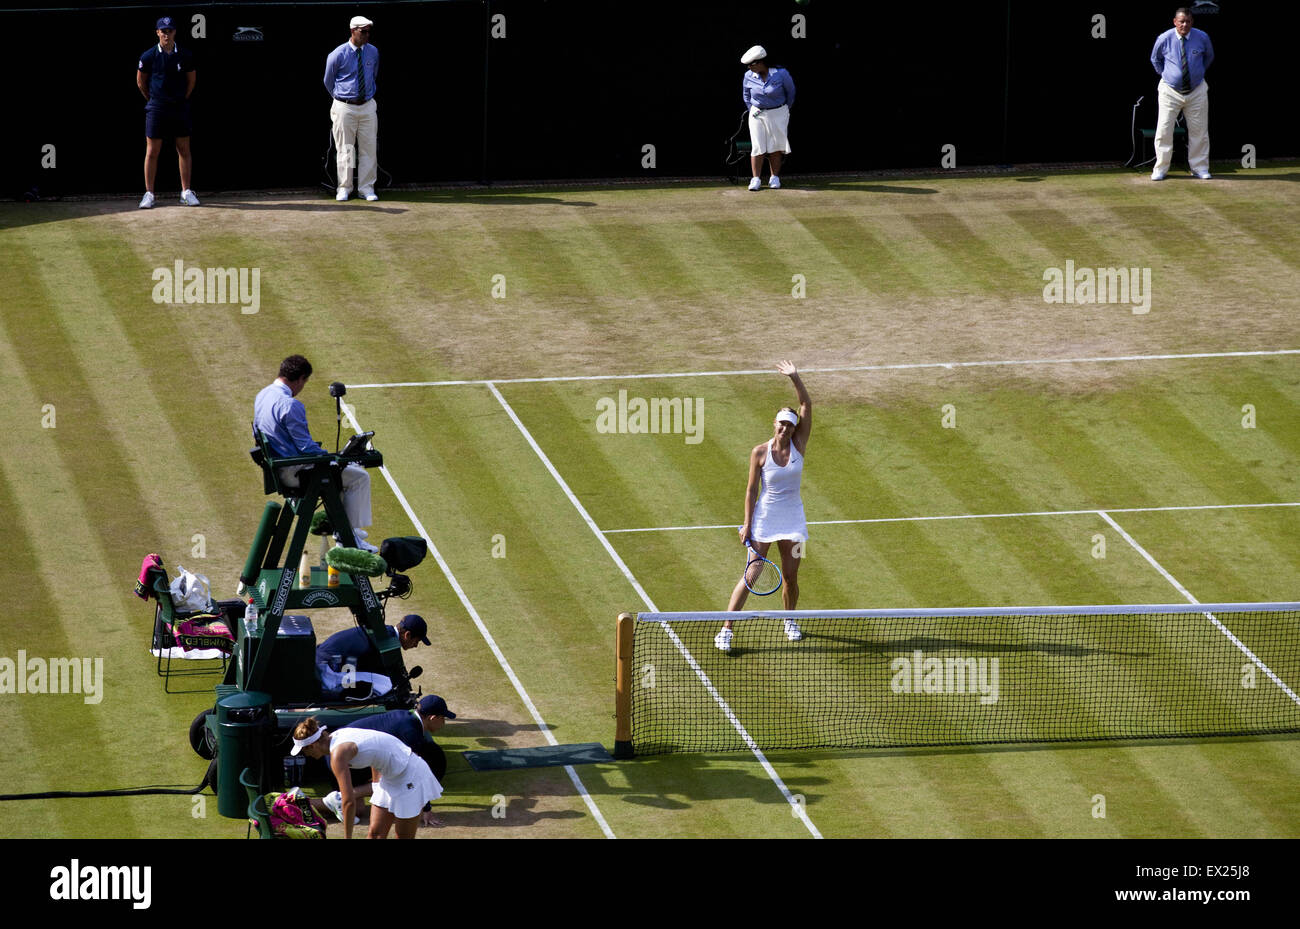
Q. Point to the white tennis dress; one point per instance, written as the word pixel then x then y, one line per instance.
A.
pixel 778 514
pixel 405 782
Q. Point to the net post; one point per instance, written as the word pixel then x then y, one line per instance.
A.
pixel 623 686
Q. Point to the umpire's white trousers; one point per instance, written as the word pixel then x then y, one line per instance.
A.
pixel 1195 108
pixel 356 491
pixel 356 131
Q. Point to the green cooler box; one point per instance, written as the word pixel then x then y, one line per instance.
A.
pixel 291 676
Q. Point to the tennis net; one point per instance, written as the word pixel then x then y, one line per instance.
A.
pixel 881 678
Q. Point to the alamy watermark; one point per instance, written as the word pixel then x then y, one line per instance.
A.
pixel 1099 285
pixel 53 676
pixel 637 415
pixel 180 284
pixel 949 676
pixel 105 882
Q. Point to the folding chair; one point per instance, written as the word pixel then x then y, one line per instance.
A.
pixel 166 619
pixel 258 815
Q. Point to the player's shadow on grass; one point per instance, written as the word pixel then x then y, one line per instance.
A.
pixel 515 813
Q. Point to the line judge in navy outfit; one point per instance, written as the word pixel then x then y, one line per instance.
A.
pixel 351 71
pixel 415 728
pixel 353 647
pixel 165 76
pixel 1181 57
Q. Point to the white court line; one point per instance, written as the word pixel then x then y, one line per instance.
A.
pixel 879 367
pixel 1190 599
pixel 487 636
pixel 917 519
pixel 796 807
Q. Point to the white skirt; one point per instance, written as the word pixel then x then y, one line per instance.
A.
pixel 773 523
pixel 767 131
pixel 406 794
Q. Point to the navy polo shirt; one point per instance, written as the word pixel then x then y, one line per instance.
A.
pixel 167 77
pixel 351 647
pixel 404 724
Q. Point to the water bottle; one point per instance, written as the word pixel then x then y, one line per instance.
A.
pixel 250 618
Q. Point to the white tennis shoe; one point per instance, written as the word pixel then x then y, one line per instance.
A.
pixel 342 194
pixel 774 182
pixel 755 183
pixel 723 640
pixel 146 202
pixel 792 630
pixel 188 198
pixel 334 803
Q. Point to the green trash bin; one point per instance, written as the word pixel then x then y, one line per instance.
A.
pixel 245 721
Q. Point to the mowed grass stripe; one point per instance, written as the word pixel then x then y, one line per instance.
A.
pixel 1269 224
pixel 959 480
pixel 1205 464
pixel 1067 236
pixel 982 266
pixel 28 719
pixel 1222 557
pixel 865 255
pixel 51 524
pixel 172 383
pixel 749 262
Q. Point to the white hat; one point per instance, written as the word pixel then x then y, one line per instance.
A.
pixel 755 53
pixel 358 21
pixel 788 416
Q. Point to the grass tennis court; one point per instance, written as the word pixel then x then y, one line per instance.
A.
pixel 929 482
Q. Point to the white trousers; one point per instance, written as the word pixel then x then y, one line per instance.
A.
pixel 356 491
pixel 1195 108
pixel 356 131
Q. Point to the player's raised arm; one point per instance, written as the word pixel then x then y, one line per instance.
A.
pixel 804 428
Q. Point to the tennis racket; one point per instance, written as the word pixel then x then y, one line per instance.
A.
pixel 761 576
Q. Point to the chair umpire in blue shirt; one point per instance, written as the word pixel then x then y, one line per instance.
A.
pixel 282 418
pixel 1181 57
pixel 351 71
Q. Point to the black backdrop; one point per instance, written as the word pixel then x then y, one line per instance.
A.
pixel 576 88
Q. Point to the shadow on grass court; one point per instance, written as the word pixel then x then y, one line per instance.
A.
pixel 840 644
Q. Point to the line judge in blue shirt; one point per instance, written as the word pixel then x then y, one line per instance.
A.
pixel 1181 57
pixel 351 71
pixel 769 94
pixel 281 417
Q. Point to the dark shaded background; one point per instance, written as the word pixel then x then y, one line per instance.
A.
pixel 577 88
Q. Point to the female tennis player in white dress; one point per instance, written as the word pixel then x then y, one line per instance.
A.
pixel 402 782
pixel 776 515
